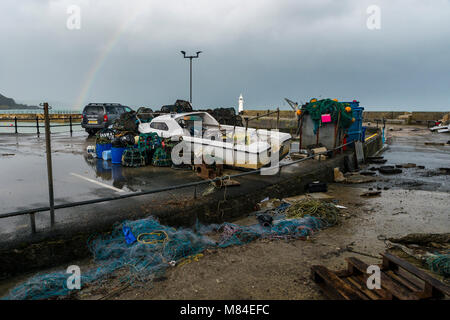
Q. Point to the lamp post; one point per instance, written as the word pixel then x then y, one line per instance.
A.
pixel 190 65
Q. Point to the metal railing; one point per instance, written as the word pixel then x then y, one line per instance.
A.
pixel 258 116
pixel 38 111
pixel 33 211
pixel 16 126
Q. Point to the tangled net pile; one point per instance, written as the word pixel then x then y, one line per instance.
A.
pixel 337 110
pixel 440 263
pixel 325 211
pixel 156 248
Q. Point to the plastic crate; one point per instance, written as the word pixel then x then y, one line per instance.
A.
pixel 106 155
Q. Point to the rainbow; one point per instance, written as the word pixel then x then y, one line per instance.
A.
pixel 101 58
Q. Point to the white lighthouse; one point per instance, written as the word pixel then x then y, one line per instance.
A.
pixel 241 104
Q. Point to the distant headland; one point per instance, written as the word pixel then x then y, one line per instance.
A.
pixel 9 104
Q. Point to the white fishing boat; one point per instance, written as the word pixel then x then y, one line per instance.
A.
pixel 441 128
pixel 231 145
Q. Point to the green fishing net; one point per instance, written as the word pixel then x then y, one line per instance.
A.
pixel 316 109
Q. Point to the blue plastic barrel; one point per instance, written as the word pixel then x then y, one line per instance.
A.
pixel 116 155
pixel 99 148
pixel 356 132
pixel 363 138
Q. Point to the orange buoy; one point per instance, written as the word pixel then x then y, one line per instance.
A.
pixel 335 100
pixel 299 112
pixel 313 100
pixel 348 109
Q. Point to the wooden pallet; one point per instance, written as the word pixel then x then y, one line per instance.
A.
pixel 399 280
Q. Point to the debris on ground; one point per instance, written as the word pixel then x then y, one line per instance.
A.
pixel 320 157
pixel 389 170
pixel 430 250
pixel 267 203
pixel 353 177
pixel 367 173
pixel 298 155
pixel 406 165
pixel 225 182
pixel 435 143
pixel 371 194
pixel 317 152
pixel 316 186
pixel 316 195
pixel 228 183
pixel 314 208
pixel 376 160
pixel 265 220
pixel 338 175
pixel 359 178
pixel 207 172
pixel 435 172
pixel 422 238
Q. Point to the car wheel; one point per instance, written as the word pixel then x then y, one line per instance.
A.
pixel 91 132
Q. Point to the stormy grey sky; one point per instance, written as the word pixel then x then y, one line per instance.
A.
pixel 128 51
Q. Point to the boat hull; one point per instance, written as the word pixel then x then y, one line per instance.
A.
pixel 235 156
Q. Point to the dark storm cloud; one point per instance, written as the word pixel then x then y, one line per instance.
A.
pixel 266 50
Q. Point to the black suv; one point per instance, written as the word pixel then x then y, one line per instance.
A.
pixel 97 116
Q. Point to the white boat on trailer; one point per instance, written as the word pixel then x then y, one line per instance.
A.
pixel 231 145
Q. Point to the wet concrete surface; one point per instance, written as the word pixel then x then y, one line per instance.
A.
pixel 281 270
pixel 78 177
pixel 26 173
pixel 408 146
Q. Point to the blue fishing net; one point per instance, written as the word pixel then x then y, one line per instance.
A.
pixel 440 263
pixel 146 249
